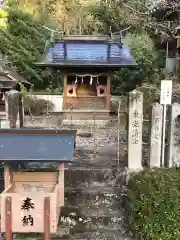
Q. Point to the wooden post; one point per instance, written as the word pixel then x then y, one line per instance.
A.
pixel 65 88
pixel 47 218
pixel 7 176
pixel 108 88
pixel 61 184
pixel 8 221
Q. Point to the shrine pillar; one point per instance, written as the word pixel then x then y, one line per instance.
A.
pixel 108 89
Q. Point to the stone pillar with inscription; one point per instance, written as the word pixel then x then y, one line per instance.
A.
pixel 135 130
pixel 12 98
pixel 156 136
pixel 173 158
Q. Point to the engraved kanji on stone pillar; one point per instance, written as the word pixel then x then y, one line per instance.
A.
pixel 156 136
pixel 135 130
pixel 174 137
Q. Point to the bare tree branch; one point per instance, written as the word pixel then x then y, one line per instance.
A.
pixel 134 10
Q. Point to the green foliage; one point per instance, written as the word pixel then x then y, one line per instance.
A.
pixel 35 106
pixel 22 42
pixel 148 60
pixel 23 39
pixel 120 14
pixel 3 18
pixel 152 204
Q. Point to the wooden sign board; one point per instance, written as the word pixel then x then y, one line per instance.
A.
pixel 166 92
pixel 37 144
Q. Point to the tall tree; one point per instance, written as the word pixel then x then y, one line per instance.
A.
pixel 22 42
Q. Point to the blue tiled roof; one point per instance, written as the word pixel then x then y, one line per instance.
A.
pixel 89 53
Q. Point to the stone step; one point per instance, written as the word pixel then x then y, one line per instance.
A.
pixel 90 200
pixel 87 106
pixel 91 189
pixel 80 224
pixel 82 177
pixel 84 102
pixel 95 228
pixel 100 235
pixel 91 104
pixel 64 234
pixel 85 115
pixel 111 162
pixel 91 203
pixel 77 164
pixel 100 210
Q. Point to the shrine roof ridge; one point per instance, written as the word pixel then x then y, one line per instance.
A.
pixel 88 53
pixel 86 38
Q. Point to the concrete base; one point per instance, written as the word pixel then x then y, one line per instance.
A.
pixel 135 170
pixel 100 123
pixel 5 124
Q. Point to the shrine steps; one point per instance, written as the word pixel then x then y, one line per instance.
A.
pixel 85 117
pixel 85 103
pixel 92 206
pixel 85 110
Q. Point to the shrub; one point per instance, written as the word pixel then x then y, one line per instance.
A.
pixel 35 106
pixel 152 204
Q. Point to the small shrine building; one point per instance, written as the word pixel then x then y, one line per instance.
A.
pixel 87 64
pixel 9 79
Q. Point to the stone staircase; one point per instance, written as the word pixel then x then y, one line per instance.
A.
pixel 84 110
pixel 92 208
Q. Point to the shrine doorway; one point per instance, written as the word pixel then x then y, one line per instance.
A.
pixel 82 91
pixel 86 90
pixel 84 86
